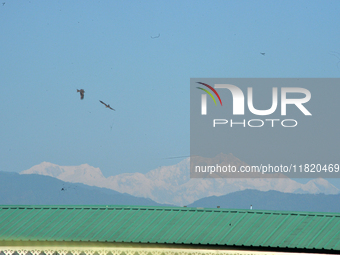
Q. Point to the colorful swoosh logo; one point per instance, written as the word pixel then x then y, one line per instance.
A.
pixel 208 92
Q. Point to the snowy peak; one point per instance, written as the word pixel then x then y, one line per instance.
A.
pixel 321 186
pixel 45 168
pixel 83 174
pixel 173 185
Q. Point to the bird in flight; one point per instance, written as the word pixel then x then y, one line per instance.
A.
pixel 154 37
pixel 81 93
pixel 263 53
pixel 107 105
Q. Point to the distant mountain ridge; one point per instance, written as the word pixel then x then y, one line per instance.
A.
pixel 35 189
pixel 16 189
pixel 173 185
pixel 272 200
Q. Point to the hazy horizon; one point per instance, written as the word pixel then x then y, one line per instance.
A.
pixel 139 58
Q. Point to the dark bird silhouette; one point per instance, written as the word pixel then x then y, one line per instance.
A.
pixel 3 3
pixel 107 105
pixel 154 37
pixel 262 53
pixel 81 91
pixel 69 187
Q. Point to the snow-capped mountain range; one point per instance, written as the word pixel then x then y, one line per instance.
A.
pixel 173 185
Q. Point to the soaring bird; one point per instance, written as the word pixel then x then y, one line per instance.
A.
pixel 154 37
pixel 262 53
pixel 81 93
pixel 107 105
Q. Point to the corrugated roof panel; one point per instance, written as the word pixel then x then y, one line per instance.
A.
pixel 174 225
pixel 171 225
pixel 110 224
pixel 302 227
pixel 251 236
pixel 28 224
pixel 319 231
pixel 58 225
pixel 123 223
pixel 4 214
pixel 137 222
pixel 169 220
pixel 195 230
pixel 13 227
pixel 182 233
pixel 74 226
pixel 89 224
pixel 214 229
pixel 327 231
pixel 211 226
pixel 310 230
pixel 98 233
pixel 285 229
pixel 328 240
pixel 152 229
pixel 164 224
pixel 264 230
pixel 146 223
pixel 53 224
pixel 232 225
pixel 236 234
pixel 274 231
pixel 335 242
pixel 10 219
pixel 245 237
pixel 42 224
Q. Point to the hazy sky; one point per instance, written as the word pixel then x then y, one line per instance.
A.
pixel 48 49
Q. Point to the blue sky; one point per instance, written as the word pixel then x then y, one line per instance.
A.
pixel 48 49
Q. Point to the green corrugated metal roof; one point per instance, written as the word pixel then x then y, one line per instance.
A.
pixel 171 225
